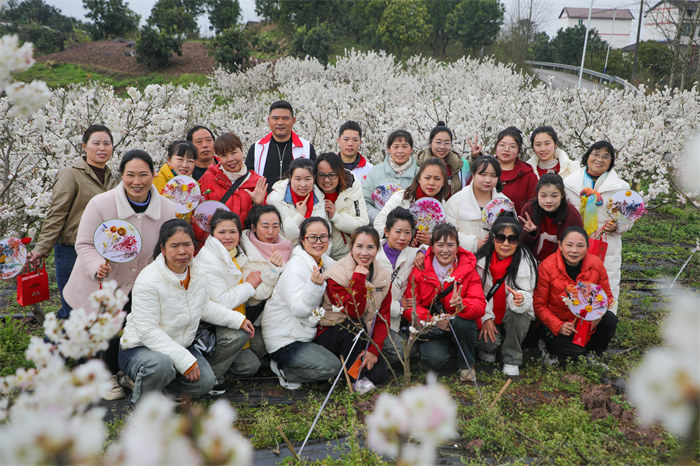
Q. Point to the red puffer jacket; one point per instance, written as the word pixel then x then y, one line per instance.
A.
pixel 519 184
pixel 428 287
pixel 553 279
pixel 240 203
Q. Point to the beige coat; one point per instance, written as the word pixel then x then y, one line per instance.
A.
pixel 105 206
pixel 455 162
pixel 74 187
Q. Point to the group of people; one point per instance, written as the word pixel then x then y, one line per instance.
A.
pixel 306 258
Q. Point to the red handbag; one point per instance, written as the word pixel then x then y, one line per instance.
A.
pixel 598 247
pixel 32 286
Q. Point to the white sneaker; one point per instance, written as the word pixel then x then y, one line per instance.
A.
pixel 511 370
pixel 283 380
pixel 116 392
pixel 487 357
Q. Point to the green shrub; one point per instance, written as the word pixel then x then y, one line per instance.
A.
pixel 154 48
pixel 45 40
pixel 14 340
pixel 317 43
pixel 231 48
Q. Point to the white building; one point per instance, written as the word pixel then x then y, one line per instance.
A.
pixel 613 25
pixel 661 21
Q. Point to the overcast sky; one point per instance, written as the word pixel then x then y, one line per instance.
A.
pixel 549 21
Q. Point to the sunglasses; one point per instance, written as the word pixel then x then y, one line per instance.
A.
pixel 501 238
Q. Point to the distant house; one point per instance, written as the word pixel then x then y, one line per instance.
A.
pixel 669 19
pixel 613 25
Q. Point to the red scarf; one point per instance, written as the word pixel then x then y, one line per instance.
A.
pixel 309 202
pixel 420 194
pixel 332 196
pixel 498 269
pixel 542 171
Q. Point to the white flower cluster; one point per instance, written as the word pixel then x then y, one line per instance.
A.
pixel 666 386
pixel 156 435
pixel 409 427
pixel 48 414
pixel 648 128
pixel 25 98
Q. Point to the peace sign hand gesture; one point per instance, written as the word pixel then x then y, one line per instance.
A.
pixel 518 298
pixel 528 224
pixel 456 299
pixel 475 146
pixel 301 205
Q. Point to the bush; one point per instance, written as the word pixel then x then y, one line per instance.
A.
pixel 316 43
pixel 154 48
pixel 45 40
pixel 231 48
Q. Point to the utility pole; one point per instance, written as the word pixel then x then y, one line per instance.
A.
pixel 636 47
pixel 612 28
pixel 585 44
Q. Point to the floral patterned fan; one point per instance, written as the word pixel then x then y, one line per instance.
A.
pixel 383 192
pixel 493 209
pixel 586 300
pixel 204 212
pixel 13 257
pixel 184 191
pixel 428 213
pixel 626 206
pixel 117 240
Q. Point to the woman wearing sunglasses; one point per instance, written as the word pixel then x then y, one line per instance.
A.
pixel 288 321
pixel 508 273
pixel 344 202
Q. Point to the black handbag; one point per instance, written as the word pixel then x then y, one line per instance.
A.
pixel 205 338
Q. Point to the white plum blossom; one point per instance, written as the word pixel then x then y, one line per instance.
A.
pixel 690 168
pixel 412 425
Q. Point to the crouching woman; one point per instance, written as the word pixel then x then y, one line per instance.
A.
pixel 169 297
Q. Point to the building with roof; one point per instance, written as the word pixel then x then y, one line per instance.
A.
pixel 669 19
pixel 613 25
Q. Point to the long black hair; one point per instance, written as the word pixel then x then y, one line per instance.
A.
pixel 410 193
pixel 538 213
pixel 505 220
pixel 168 229
pixel 482 162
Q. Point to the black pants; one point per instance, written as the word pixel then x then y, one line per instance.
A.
pixel 562 346
pixel 338 340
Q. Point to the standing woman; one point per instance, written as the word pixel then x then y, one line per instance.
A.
pixel 221 259
pixel 508 273
pixel 75 186
pixel 449 272
pixel 344 203
pixel 137 201
pixel 288 323
pixel 170 297
pixel 396 255
pixel 440 142
pixel 463 210
pixel 564 268
pixel 362 288
pixel 398 168
pixel 267 253
pixel 589 189
pixel 518 178
pixel 549 157
pixel 230 182
pixel 181 160
pixel 298 198
pixel 430 181
pixel 546 216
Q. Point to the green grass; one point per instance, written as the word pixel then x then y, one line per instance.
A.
pixel 62 74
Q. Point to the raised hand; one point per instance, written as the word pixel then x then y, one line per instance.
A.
pixel 361 269
pixel 528 224
pixel 276 259
pixel 258 194
pixel 255 278
pixel 103 271
pixel 330 208
pixel 518 298
pixel 423 237
pixel 301 205
pixel 456 299
pixel 475 146
pixel 316 276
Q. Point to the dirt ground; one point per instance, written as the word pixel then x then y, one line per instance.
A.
pixel 109 56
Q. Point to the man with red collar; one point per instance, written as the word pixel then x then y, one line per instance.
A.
pixel 272 155
pixel 349 141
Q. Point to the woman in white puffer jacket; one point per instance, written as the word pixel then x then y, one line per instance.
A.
pixel 169 298
pixel 223 260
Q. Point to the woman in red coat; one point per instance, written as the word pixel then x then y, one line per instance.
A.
pixel 569 265
pixel 545 217
pixel 518 178
pixel 219 178
pixel 447 265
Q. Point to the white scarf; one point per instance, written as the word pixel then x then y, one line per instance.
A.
pixel 234 176
pixel 549 163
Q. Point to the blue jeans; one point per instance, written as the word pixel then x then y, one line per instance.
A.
pixel 304 361
pixel 435 352
pixel 153 371
pixel 64 260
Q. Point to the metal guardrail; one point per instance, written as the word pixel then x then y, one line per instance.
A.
pixel 596 74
